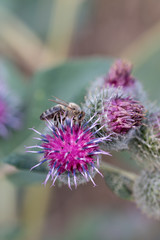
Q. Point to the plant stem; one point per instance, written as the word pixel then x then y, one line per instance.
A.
pixel 111 168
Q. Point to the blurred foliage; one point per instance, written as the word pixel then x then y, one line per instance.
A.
pixel 119 225
pixel 9 232
pixel 24 178
pixel 149 75
pixel 145 54
pixel 23 162
pixel 20 87
pixel 36 14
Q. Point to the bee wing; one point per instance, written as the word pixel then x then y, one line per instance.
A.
pixel 60 101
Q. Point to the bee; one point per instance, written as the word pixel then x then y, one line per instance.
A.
pixel 63 110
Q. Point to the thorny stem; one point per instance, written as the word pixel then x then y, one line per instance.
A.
pixel 111 168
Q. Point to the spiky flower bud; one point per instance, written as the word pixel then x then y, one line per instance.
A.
pixel 120 76
pixel 145 146
pixel 10 113
pixel 147 193
pixel 117 115
pixel 71 152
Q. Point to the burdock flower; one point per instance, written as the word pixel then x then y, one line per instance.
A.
pixel 123 114
pixel 119 116
pixel 10 113
pixel 71 152
pixel 120 76
pixel 147 193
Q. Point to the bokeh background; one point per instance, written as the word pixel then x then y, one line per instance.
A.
pixel 36 35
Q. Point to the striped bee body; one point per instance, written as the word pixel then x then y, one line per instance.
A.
pixel 52 112
pixel 63 110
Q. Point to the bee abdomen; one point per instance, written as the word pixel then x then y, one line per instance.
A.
pixel 47 114
pixel 50 113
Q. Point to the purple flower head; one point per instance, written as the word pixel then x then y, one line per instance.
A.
pixel 123 114
pixel 120 75
pixel 10 113
pixel 71 152
pixel 117 115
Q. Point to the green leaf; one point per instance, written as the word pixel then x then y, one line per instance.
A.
pixel 24 178
pixel 25 162
pixel 119 181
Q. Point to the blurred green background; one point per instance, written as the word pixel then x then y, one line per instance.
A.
pixel 35 37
